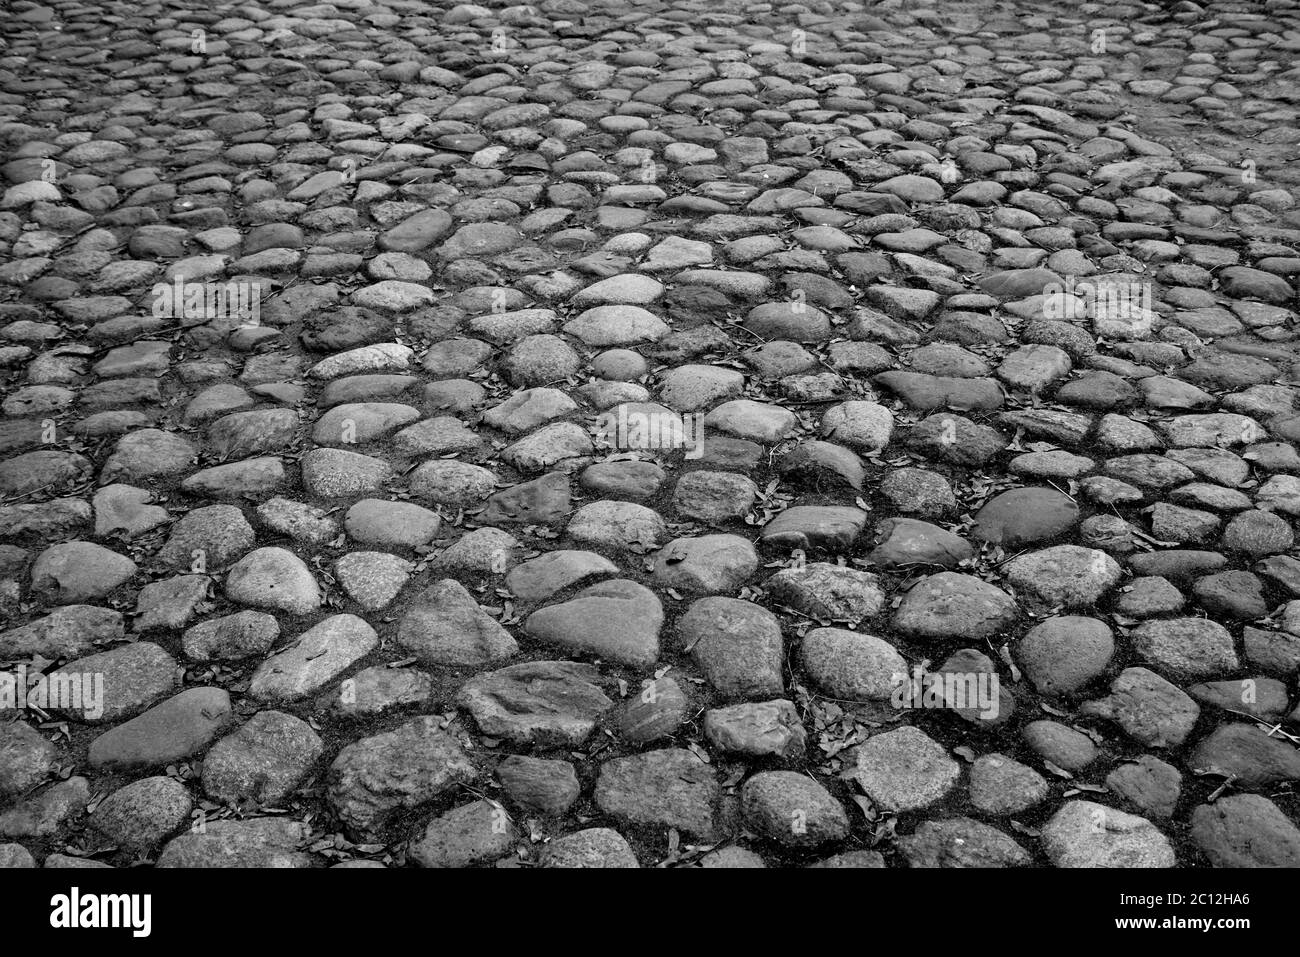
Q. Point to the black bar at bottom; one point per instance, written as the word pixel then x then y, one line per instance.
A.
pixel 300 908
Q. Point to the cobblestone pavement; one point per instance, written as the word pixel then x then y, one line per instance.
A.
pixel 672 433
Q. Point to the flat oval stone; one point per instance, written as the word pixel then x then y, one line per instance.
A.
pixel 617 325
pixel 115 684
pixel 1025 516
pixel 952 605
pixel 315 658
pixel 173 731
pixel 1063 654
pixel 852 666
pixel 539 578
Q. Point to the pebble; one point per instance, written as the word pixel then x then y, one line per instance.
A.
pixel 1186 648
pixel 444 625
pixel 831 593
pixel 961 842
pixel 231 637
pixel 758 729
pixel 706 565
pixel 256 842
pixel 1249 755
pixel 670 788
pixel 1245 830
pixel 1059 745
pixel 903 770
pixel 463 837
pixel 175 730
pixel 379 689
pixel 133 677
pixel 314 659
pixel 1086 834
pixel 263 762
pixel 618 620
pixel 736 644
pixel 1065 575
pixel 275 578
pixel 539 785
pixel 1001 785
pixel 1151 709
pixel 950 605
pixel 547 703
pixel 372 579
pixel 1062 655
pixel 598 847
pixel 1025 517
pixel 539 578
pixel 793 810
pixel 851 666
pixel 143 814
pixel 26 757
pixel 73 573
pixel 71 631
pixel 374 778
pixel 1149 784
